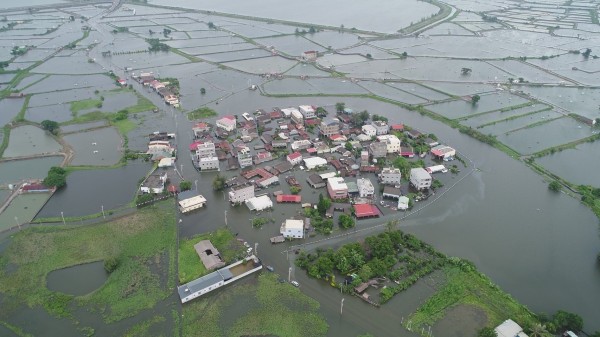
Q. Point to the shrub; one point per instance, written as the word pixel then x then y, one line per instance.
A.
pixel 111 264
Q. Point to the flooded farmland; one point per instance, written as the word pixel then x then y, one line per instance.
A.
pixel 28 140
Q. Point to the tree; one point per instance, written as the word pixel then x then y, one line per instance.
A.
pixel 312 30
pixel 211 25
pixel 465 71
pixel 487 332
pixel 365 273
pixel 348 146
pixel 295 189
pixel 554 186
pixel 202 91
pixel 521 80
pixel 475 99
pixel 340 106
pixel 404 54
pixel 185 185
pixel 586 53
pixel 57 177
pixel 323 205
pixel 345 221
pixel 511 80
pixel 567 321
pixel 369 56
pixel 111 264
pixel 50 126
pixel 391 225
pixel 538 330
pixel 219 183
pixel 321 112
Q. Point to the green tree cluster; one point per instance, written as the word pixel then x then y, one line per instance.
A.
pixel 219 183
pixel 57 177
pixel 185 185
pixel 346 221
pixel 50 126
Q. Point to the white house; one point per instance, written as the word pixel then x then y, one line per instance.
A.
pixel 241 193
pixel 287 112
pixel 308 112
pixel 297 117
pixel 313 162
pixel 155 183
pixel 392 143
pixel 226 123
pixel 365 188
pixel 292 229
pixel 369 130
pixel 390 176
pixel 245 158
pixel 190 200
pixel 403 203
pixel 208 163
pixel 381 127
pixel 294 158
pixel 206 149
pixel 444 152
pixel 301 144
pixel 420 178
pixel 259 203
pixel 509 328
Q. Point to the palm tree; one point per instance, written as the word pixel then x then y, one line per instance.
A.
pixel 538 330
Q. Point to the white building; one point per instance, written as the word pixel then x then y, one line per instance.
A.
pixel 206 149
pixel 420 178
pixel 245 158
pixel 307 111
pixel 259 203
pixel 226 123
pixel 509 328
pixel 403 203
pixel 294 158
pixel 155 183
pixel 369 130
pixel 390 176
pixel 241 193
pixel 292 229
pixel 337 188
pixel 365 188
pixel 392 142
pixel 444 152
pixel 301 144
pixel 287 112
pixel 190 201
pixel 313 162
pixel 208 163
pixel 297 117
pixel 381 127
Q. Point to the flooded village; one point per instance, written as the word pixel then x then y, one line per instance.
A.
pixel 195 169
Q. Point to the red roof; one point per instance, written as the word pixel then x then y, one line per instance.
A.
pixel 172 188
pixel 311 150
pixel 232 118
pixel 397 127
pixel 337 136
pixel 35 187
pixel 289 198
pixel 201 125
pixel 312 122
pixel 294 155
pixel 194 146
pixel 365 210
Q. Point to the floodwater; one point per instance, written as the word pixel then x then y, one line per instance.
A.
pixel 28 140
pixel 22 209
pixel 77 280
pixel 587 157
pixel 9 108
pixel 17 170
pixel 87 191
pixel 100 147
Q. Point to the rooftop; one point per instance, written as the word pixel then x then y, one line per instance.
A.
pixel 204 282
pixel 365 210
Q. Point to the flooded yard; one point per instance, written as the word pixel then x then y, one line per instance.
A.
pixel 100 147
pixel 78 280
pixel 15 171
pixel 22 209
pixel 586 155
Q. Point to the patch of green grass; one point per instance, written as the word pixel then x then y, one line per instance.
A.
pixel 84 104
pixel 142 329
pixel 5 138
pixel 277 309
pixel 21 115
pixel 124 126
pixel 143 104
pixel 15 329
pixel 203 112
pixel 134 286
pixel 465 285
pixel 190 265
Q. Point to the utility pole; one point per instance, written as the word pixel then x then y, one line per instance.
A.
pixel 290 274
pixel 63 218
pixel 19 225
pixel 104 216
pixel 226 219
pixel 256 249
pixel 196 183
pixel 342 306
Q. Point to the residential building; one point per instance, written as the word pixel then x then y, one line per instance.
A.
pixel 397 127
pixel 338 139
pixel 310 55
pixel 307 111
pixel 287 112
pixel 292 229
pixel 289 198
pixel 365 188
pixel 366 211
pixel 443 152
pixel 189 201
pixel 259 203
pixel 262 157
pixel 313 162
pixel 294 158
pixel 391 192
pixel 352 189
pixel 381 127
pixel 378 149
pixel 315 181
pixel 155 183
pixel 413 134
pixel 329 126
pixel 420 178
pixel 204 150
pixel 369 130
pixel 363 138
pixel 208 163
pixel 301 145
pixel 509 328
pixel 364 158
pixel 200 128
pixel 227 123
pixel 244 158
pixel 279 143
pixel 337 188
pixel 392 142
pixel 390 176
pixel 403 203
pixel 297 117
pixel 160 146
pixel 241 193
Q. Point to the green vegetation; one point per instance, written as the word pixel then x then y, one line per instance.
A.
pixel 111 264
pixel 143 329
pixel 554 186
pixel 591 197
pixel 85 104
pixel 156 45
pixel 50 126
pixel 487 332
pixel 219 182
pixel 295 190
pixel 5 139
pixel 346 221
pixel 143 243
pixel 273 309
pixel 340 106
pixel 261 221
pixel 57 177
pixel 185 185
pixel 203 112
pixel 190 265
pixel 475 99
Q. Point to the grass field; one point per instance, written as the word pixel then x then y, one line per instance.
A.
pixel 84 105
pixel 465 285
pixel 201 113
pixel 143 242
pixel 190 266
pixel 275 309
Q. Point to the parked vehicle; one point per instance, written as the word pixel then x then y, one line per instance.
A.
pixel 271 269
pixel 295 284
